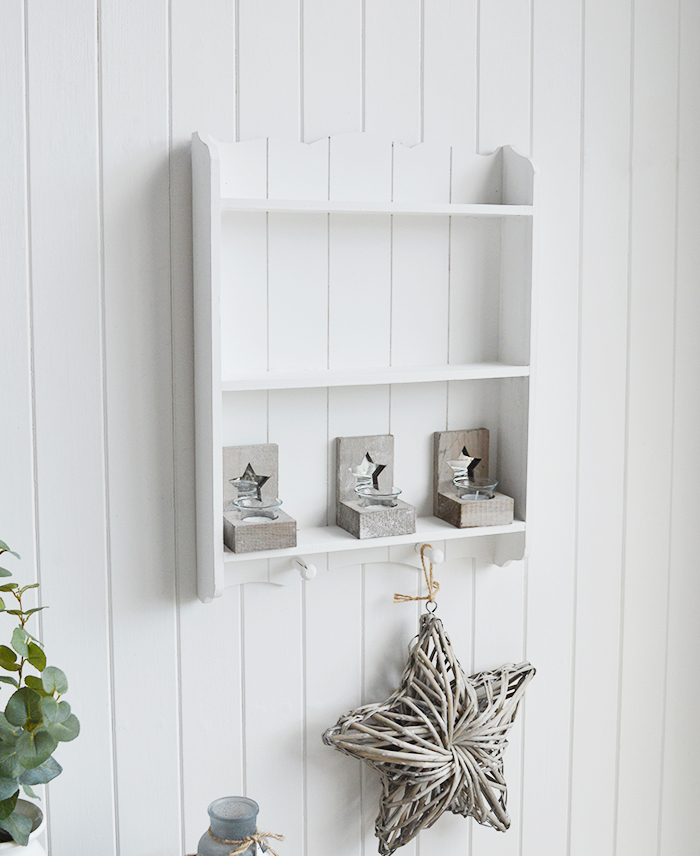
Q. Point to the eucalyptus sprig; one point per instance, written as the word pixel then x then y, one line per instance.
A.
pixel 35 719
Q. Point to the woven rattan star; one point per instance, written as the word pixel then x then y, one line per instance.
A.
pixel 438 741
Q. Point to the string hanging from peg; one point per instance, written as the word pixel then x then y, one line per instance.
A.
pixel 431 582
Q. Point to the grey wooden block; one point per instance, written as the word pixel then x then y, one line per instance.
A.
pixel 350 452
pixel 244 536
pixel 263 458
pixel 465 513
pixel 447 446
pixel 376 522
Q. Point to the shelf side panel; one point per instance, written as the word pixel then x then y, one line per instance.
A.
pixel 518 178
pixel 206 236
pixel 476 178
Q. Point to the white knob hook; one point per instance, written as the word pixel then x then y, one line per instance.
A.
pixel 432 554
pixel 306 570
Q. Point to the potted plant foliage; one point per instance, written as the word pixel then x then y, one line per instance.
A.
pixel 35 718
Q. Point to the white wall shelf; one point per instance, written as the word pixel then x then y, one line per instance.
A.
pixel 370 376
pixel 332 539
pixel 358 286
pixel 322 206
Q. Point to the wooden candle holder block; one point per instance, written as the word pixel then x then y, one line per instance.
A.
pixel 243 534
pixel 376 522
pixel 246 536
pixel 465 513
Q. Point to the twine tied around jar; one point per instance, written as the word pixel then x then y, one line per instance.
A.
pixel 244 843
pixel 433 584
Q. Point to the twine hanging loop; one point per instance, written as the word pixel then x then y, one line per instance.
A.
pixel 430 581
pixel 241 845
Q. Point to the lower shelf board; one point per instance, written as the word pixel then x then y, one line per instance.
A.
pixel 497 544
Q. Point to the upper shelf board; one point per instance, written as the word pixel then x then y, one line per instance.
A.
pixel 370 376
pixel 320 206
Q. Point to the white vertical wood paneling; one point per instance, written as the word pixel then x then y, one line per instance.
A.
pixel 552 502
pixel 449 72
pixel 649 423
pixel 680 830
pixel 601 450
pixel 267 68
pixel 17 432
pixel 332 40
pixel 135 147
pixel 359 312
pixel 392 69
pixel 277 665
pixel 68 381
pixel 504 74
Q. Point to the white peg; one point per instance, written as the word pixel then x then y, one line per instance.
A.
pixel 306 570
pixel 432 554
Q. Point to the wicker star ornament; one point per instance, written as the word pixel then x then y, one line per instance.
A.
pixel 438 741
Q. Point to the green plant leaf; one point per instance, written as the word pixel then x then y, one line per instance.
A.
pixel 7 806
pixel 8 680
pixel 8 787
pixel 64 731
pixel 8 586
pixel 14 611
pixel 5 573
pixel 8 659
pixel 5 727
pixel 2 605
pixel 42 774
pixel 54 680
pixel 18 826
pixel 26 588
pixel 10 768
pixel 32 611
pixel 19 642
pixel 34 747
pixel 30 793
pixel 5 549
pixel 34 682
pixel 36 657
pixel 24 708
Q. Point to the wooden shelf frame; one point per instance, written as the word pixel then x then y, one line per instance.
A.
pixel 495 189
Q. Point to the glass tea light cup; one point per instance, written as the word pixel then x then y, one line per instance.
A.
pixel 474 489
pixel 373 498
pixel 252 510
pixel 230 819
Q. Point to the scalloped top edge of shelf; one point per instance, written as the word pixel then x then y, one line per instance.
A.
pixel 320 206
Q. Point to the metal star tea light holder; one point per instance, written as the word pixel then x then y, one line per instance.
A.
pixel 367 503
pixel 463 492
pixel 253 519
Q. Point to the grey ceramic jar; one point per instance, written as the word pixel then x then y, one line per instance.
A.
pixel 230 819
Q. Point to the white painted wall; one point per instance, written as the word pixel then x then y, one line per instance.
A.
pixel 182 702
